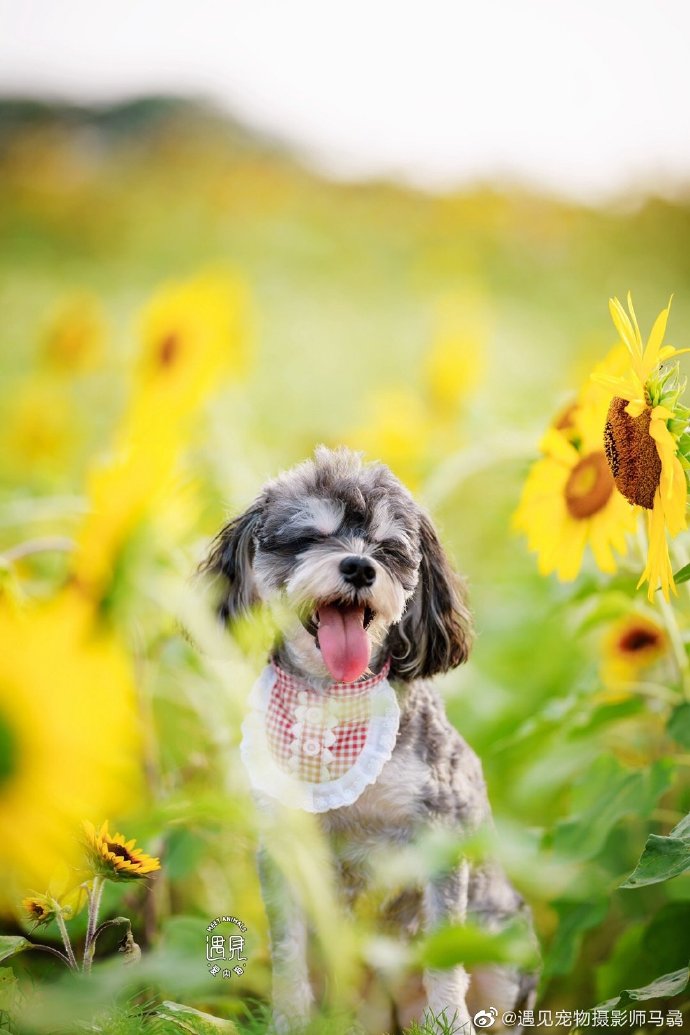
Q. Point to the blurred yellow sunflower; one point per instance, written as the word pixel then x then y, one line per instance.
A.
pixel 632 644
pixel 193 334
pixel 69 737
pixel 400 441
pixel 644 427
pixel 39 430
pixel 115 858
pixel 569 500
pixel 453 365
pixel 74 338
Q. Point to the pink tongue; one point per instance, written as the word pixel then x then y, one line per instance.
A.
pixel 343 641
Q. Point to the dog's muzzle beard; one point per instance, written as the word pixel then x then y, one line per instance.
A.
pixel 339 629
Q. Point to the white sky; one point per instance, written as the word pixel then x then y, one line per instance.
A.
pixel 583 98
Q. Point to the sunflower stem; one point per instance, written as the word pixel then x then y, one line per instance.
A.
pixel 60 920
pixel 657 691
pixel 676 639
pixel 670 621
pixel 115 922
pixel 52 951
pixel 94 906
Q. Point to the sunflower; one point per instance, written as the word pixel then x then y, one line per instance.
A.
pixel 453 364
pixel 39 908
pixel 115 858
pixel 645 437
pixel 631 645
pixel 74 339
pixel 68 736
pixel 193 334
pixel 569 499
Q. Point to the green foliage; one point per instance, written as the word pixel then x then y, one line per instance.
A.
pixel 575 918
pixel 679 725
pixel 663 857
pixel 607 793
pixel 11 946
pixel 471 945
pixel 661 988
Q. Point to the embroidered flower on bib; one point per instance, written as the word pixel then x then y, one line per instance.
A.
pixel 318 748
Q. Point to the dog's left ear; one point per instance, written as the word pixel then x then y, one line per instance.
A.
pixel 229 565
pixel 435 632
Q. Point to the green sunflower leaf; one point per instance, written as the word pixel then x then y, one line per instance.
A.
pixel 663 857
pixel 11 945
pixel 470 944
pixel 192 1020
pixel 678 724
pixel 683 574
pixel 661 988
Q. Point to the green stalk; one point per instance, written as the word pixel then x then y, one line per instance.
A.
pixel 94 906
pixel 60 920
pixel 670 621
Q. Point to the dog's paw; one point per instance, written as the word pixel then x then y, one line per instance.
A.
pixel 290 1018
pixel 284 1024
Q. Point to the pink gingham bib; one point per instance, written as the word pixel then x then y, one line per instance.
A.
pixel 317 749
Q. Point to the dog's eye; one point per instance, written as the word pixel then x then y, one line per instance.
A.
pixel 392 550
pixel 303 542
pixel 276 543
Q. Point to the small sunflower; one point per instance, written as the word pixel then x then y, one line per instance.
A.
pixel 74 339
pixel 39 908
pixel 569 500
pixel 646 437
pixel 115 858
pixel 631 645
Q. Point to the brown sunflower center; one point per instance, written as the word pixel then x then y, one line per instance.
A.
pixel 120 851
pixel 632 454
pixel 168 350
pixel 589 486
pixel 638 639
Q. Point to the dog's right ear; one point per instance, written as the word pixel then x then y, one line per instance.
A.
pixel 229 565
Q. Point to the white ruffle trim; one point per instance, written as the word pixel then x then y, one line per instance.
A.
pixel 266 775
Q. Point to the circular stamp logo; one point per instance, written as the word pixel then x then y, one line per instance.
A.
pixel 225 949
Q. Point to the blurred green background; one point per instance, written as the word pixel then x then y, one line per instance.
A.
pixel 439 333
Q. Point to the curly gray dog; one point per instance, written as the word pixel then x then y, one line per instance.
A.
pixel 374 599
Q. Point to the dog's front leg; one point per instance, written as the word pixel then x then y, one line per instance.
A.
pixel 445 901
pixel 292 993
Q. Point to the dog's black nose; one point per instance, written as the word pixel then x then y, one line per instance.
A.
pixel 358 571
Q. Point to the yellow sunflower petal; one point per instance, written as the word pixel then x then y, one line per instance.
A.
pixel 624 327
pixel 652 352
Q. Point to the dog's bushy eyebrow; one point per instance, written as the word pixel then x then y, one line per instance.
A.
pixel 291 541
pixel 395 547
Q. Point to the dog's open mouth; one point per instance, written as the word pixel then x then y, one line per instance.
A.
pixel 339 630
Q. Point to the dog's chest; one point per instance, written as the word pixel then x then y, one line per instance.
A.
pixel 389 809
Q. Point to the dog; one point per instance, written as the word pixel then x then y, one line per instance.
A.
pixel 378 611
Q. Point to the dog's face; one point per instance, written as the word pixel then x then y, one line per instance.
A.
pixel 358 563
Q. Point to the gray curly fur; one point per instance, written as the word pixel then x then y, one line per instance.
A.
pixel 304 522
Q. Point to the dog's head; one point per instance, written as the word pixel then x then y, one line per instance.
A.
pixel 357 561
